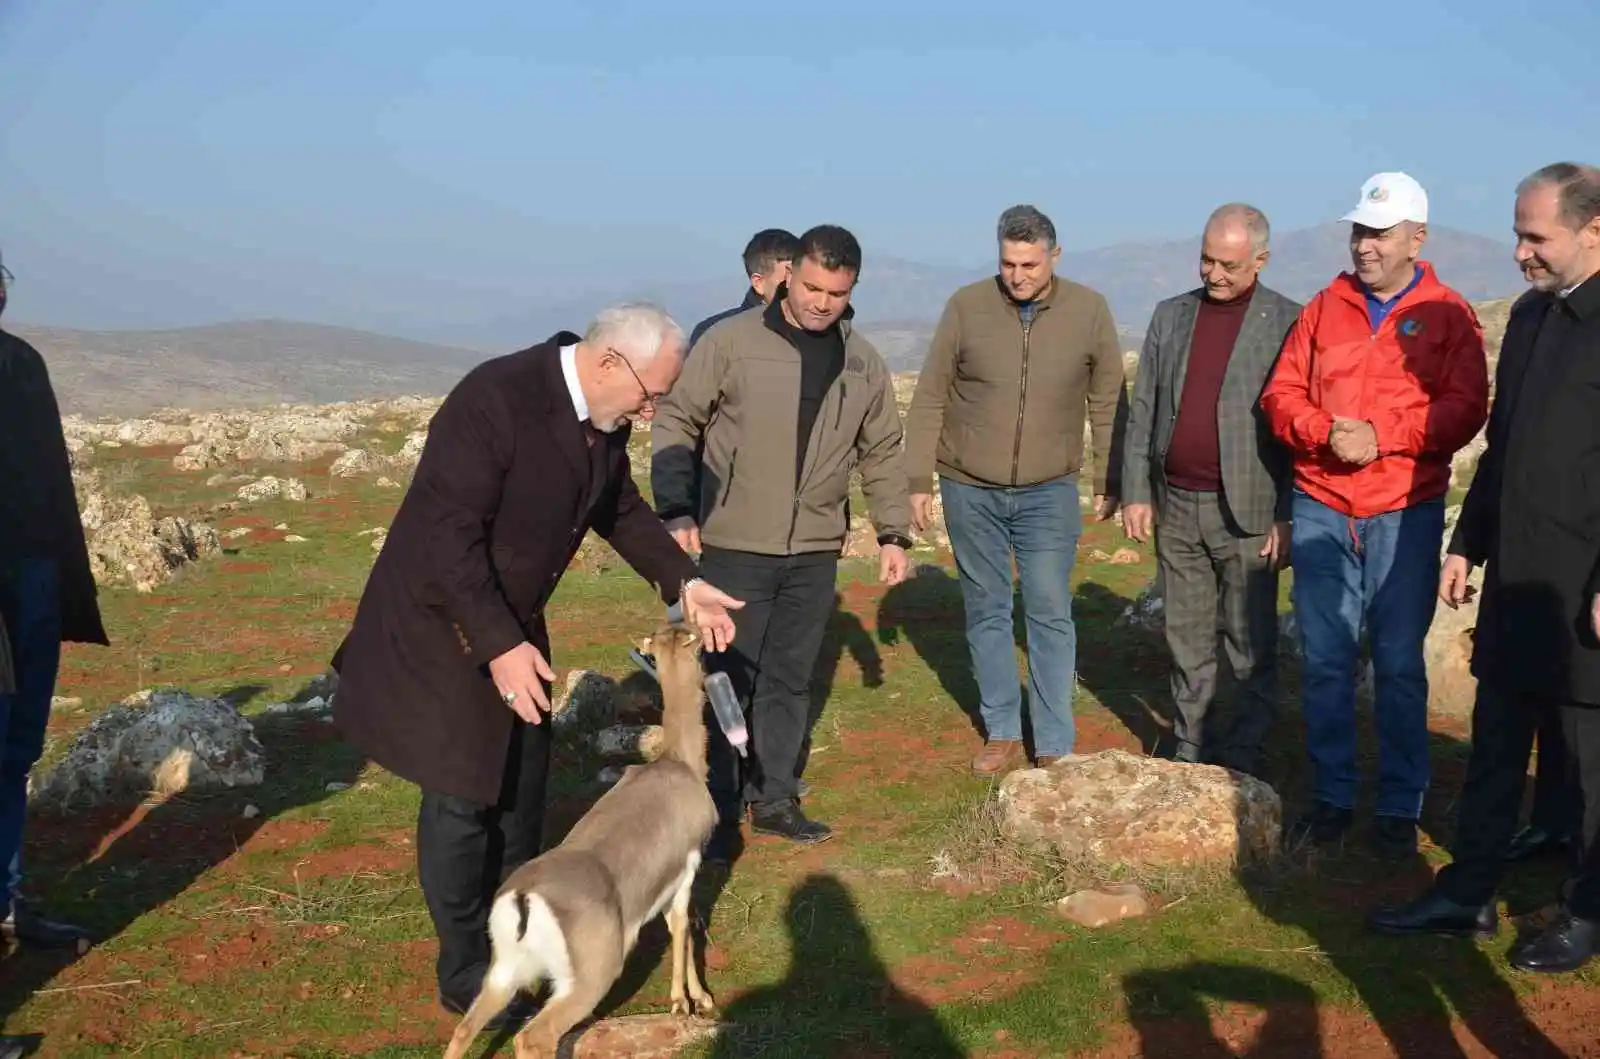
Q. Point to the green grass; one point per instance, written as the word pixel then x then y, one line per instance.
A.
pixel 300 930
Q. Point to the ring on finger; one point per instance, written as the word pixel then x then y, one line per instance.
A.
pixel 509 697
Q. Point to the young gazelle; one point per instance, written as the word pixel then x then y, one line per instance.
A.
pixel 572 915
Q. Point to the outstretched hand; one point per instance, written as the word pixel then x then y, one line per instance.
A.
pixel 706 607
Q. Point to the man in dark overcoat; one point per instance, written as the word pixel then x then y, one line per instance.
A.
pixel 1532 519
pixel 444 675
pixel 47 598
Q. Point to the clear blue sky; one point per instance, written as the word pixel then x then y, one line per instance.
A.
pixel 399 163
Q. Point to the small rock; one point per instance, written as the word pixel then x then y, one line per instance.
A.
pixel 1125 557
pixel 611 774
pixel 589 702
pixel 1097 908
pixel 385 482
pixel 629 741
pixel 58 702
pixel 250 812
pixel 294 538
pixel 1099 555
pixel 155 743
pixel 335 788
pixel 237 532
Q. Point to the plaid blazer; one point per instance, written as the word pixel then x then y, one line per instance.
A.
pixel 1257 471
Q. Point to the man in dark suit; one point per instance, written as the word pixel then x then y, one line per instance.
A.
pixel 1202 471
pixel 768 260
pixel 47 598
pixel 1532 520
pixel 443 675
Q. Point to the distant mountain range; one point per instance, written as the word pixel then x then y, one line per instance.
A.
pixel 898 302
pixel 236 365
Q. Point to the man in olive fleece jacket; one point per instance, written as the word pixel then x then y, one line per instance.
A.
pixel 1015 364
pixel 753 453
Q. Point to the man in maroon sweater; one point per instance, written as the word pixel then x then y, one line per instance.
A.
pixel 1202 473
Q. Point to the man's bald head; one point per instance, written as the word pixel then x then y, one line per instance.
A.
pixel 1233 250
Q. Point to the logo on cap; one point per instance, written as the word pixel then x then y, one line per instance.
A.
pixel 1378 194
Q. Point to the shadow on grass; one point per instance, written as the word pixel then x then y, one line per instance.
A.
pixel 1411 989
pixel 104 868
pixel 1122 671
pixel 837 998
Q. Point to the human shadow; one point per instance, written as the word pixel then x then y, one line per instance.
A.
pixel 1169 1013
pixel 105 867
pixel 1123 665
pixel 846 634
pixel 926 610
pixel 1408 985
pixel 837 994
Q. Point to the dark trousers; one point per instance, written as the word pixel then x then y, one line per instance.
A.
pixel 465 850
pixel 777 637
pixel 1209 568
pixel 30 602
pixel 1557 802
pixel 1503 728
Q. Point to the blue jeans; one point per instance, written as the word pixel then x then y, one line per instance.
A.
pixel 1381 572
pixel 31 601
pixel 1039 525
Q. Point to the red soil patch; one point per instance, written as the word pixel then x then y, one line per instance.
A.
pixel 266 535
pixel 243 568
pixel 280 835
pixel 981 964
pixel 1555 1021
pixel 205 954
pixel 394 852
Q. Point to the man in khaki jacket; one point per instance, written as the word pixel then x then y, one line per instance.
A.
pixel 784 401
pixel 1016 362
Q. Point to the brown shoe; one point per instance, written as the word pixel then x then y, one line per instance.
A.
pixel 997 755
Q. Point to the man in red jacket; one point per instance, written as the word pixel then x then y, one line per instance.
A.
pixel 1381 380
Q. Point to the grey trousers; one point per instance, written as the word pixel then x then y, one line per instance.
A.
pixel 1215 578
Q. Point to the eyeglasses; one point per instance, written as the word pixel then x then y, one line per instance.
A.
pixel 650 399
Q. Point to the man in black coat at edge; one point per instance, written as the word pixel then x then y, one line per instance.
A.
pixel 1532 518
pixel 444 674
pixel 47 598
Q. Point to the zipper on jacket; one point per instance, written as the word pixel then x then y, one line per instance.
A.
pixel 1022 400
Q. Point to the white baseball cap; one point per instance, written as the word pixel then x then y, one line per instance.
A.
pixel 1387 199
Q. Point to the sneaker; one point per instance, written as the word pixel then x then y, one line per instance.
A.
pixel 1392 837
pixel 785 820
pixel 25 926
pixel 1322 824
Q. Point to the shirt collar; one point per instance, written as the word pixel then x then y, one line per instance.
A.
pixel 569 372
pixel 1583 300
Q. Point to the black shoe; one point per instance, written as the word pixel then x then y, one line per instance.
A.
pixel 27 927
pixel 1433 913
pixel 1322 824
pixel 725 844
pixel 517 1012
pixel 1566 945
pixel 1393 837
pixel 787 821
pixel 16 1047
pixel 1533 842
